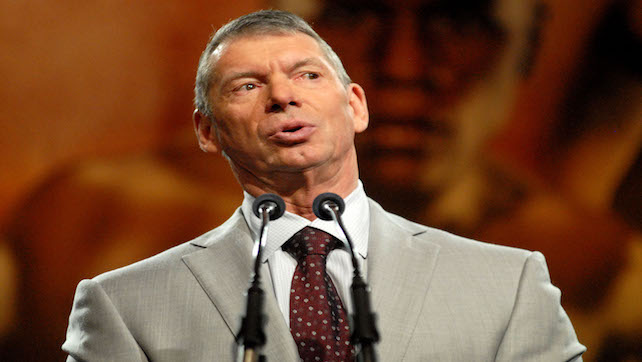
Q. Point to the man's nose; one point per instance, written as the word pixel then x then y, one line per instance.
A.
pixel 282 93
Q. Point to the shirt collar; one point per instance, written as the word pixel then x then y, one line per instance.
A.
pixel 356 219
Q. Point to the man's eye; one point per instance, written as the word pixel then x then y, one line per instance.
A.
pixel 312 75
pixel 247 87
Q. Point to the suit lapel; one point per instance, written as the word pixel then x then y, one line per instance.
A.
pixel 399 272
pixel 223 269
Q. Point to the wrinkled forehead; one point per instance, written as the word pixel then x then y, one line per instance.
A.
pixel 258 33
pixel 305 41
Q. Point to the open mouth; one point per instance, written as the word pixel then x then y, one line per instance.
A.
pixel 293 134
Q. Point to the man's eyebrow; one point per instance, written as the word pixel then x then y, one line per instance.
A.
pixel 307 61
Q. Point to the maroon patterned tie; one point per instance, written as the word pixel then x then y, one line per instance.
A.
pixel 318 321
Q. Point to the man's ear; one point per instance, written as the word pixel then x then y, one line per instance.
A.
pixel 359 107
pixel 205 132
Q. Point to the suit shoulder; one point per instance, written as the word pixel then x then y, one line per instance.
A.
pixel 161 264
pixel 455 245
pixel 166 264
pixel 164 260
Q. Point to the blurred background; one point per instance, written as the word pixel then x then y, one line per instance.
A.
pixel 513 122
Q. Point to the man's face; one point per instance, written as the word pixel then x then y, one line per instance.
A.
pixel 279 106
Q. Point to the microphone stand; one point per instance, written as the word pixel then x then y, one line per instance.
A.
pixel 251 337
pixel 364 332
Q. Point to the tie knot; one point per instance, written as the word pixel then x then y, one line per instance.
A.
pixel 310 241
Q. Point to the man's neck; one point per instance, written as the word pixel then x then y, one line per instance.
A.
pixel 299 190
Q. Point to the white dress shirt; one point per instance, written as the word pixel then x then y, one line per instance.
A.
pixel 356 219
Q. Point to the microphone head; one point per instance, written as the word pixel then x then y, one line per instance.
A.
pixel 325 198
pixel 278 205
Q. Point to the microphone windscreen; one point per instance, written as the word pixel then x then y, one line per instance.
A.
pixel 327 197
pixel 277 202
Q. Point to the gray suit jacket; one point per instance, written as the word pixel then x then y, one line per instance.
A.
pixel 438 297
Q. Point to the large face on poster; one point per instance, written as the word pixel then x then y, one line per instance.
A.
pixel 440 78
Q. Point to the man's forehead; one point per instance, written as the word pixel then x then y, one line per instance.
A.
pixel 305 42
pixel 258 37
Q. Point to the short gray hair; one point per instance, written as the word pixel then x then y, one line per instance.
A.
pixel 258 23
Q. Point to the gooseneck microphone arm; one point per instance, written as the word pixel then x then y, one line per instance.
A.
pixel 251 337
pixel 330 206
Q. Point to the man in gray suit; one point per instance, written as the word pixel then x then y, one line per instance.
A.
pixel 275 100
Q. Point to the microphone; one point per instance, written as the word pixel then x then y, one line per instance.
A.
pixel 323 204
pixel 268 207
pixel 251 337
pixel 330 206
pixel 271 203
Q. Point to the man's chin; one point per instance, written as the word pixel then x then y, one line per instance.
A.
pixel 296 166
